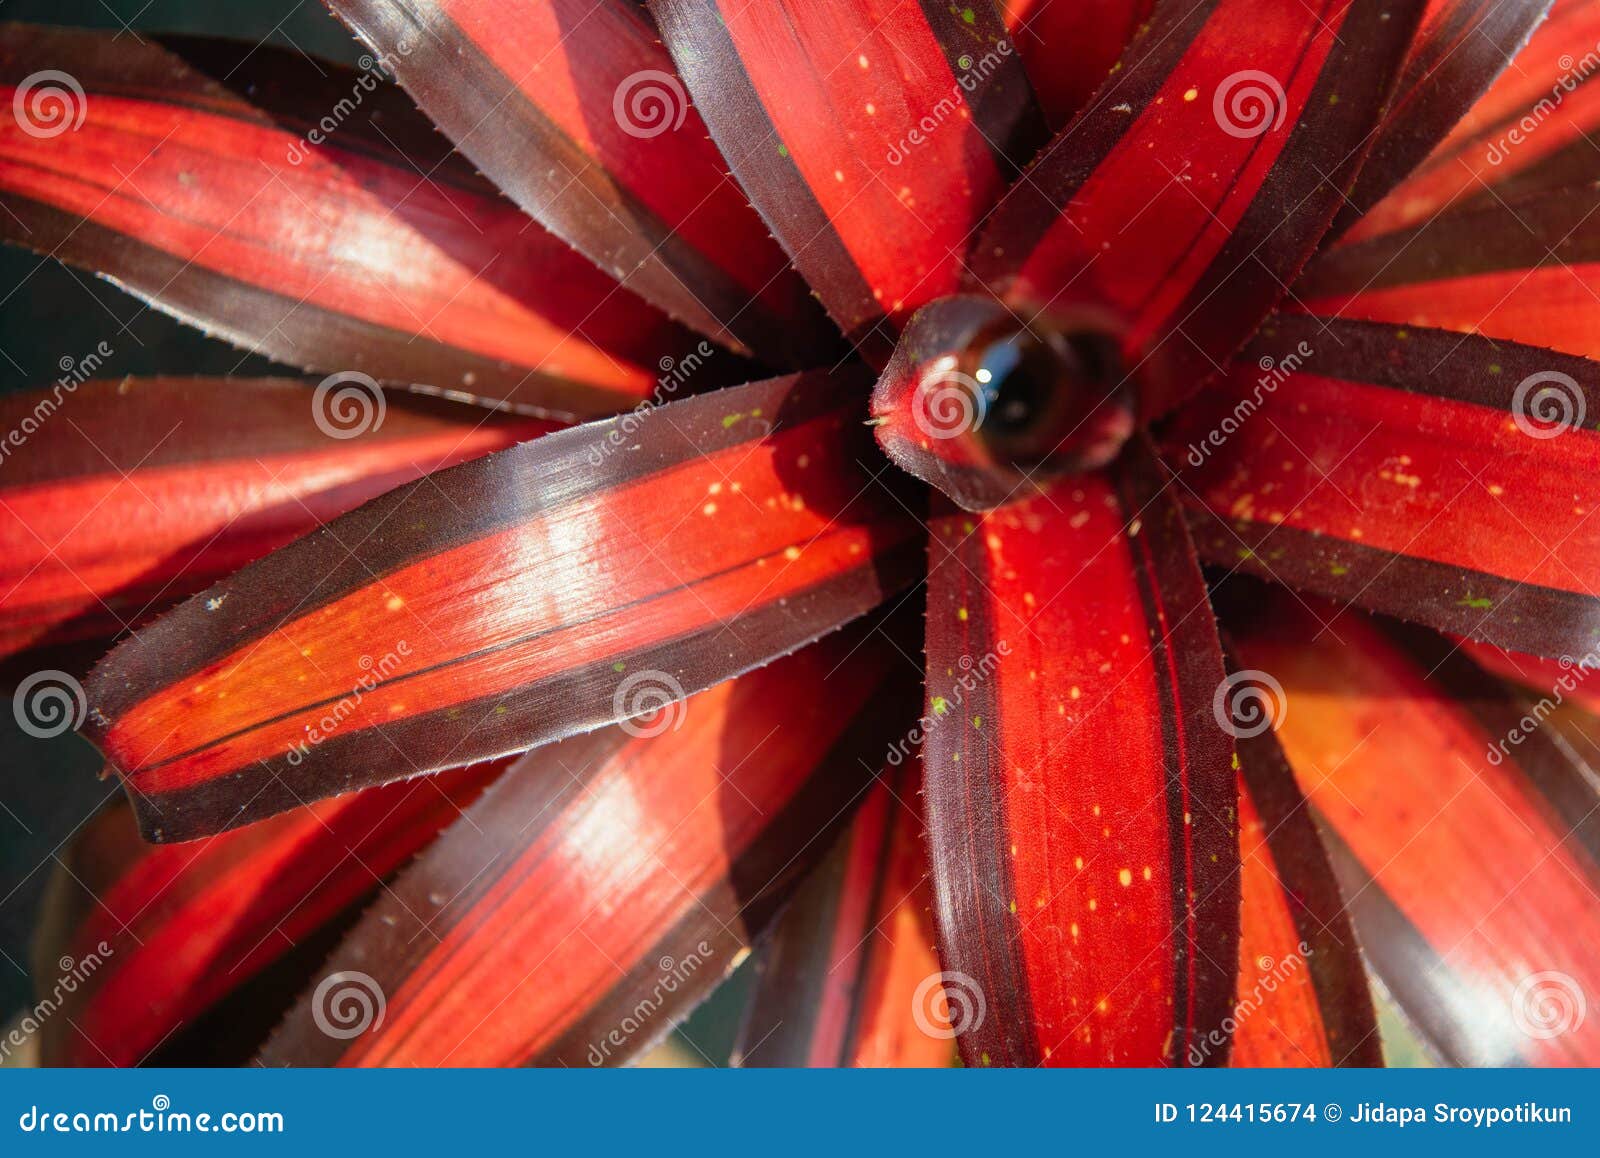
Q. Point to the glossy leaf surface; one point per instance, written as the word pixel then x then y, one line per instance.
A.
pixel 614 567
pixel 606 883
pixel 1080 790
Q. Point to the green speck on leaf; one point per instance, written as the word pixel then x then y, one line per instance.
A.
pixel 729 419
pixel 619 666
pixel 969 16
pixel 940 705
pixel 501 709
pixel 1339 569
pixel 977 721
pixel 783 150
pixel 1477 604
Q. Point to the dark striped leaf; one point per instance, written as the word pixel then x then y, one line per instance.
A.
pixel 545 590
pixel 1442 478
pixel 850 975
pixel 1303 998
pixel 1461 828
pixel 571 107
pixel 160 933
pixel 1514 271
pixel 121 497
pixel 872 136
pixel 1530 132
pixel 193 180
pixel 1463 46
pixel 606 884
pixel 1080 790
pixel 1200 178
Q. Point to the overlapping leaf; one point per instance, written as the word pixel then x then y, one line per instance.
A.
pixel 120 497
pixel 1080 789
pixel 572 109
pixel 1460 828
pixel 160 933
pixel 1200 178
pixel 207 180
pixel 872 136
pixel 1439 477
pixel 522 597
pixel 850 976
pixel 605 884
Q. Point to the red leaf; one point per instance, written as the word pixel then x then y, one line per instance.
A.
pixel 1415 472
pixel 1302 997
pixel 1070 46
pixel 1518 272
pixel 1202 176
pixel 1463 46
pixel 212 205
pixel 571 107
pixel 1492 151
pixel 605 884
pixel 128 495
pixel 851 966
pixel 823 112
pixel 170 930
pixel 1462 834
pixel 613 567
pixel 1079 787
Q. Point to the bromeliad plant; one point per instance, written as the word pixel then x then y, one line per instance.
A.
pixel 1041 310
